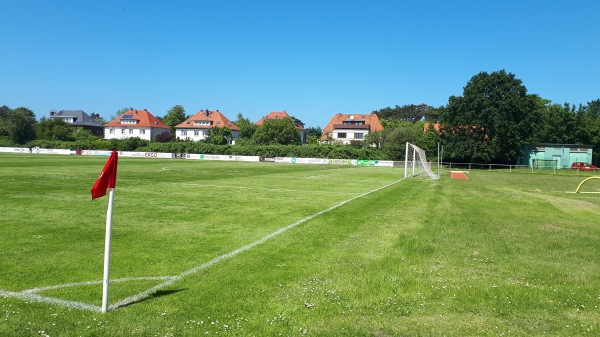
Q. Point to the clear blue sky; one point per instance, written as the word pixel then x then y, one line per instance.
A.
pixel 312 58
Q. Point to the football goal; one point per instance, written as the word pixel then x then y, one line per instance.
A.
pixel 416 164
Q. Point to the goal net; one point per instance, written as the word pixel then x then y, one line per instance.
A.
pixel 416 164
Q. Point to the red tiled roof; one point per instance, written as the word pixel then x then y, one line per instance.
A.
pixel 436 127
pixel 277 115
pixel 205 119
pixel 371 121
pixel 144 120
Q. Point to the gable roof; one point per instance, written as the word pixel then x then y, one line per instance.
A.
pixel 205 119
pixel 278 115
pixel 137 119
pixel 369 122
pixel 80 118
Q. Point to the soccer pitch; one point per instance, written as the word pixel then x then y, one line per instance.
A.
pixel 244 249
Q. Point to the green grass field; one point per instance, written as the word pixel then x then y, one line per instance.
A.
pixel 502 254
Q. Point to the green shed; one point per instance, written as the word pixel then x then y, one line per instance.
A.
pixel 556 155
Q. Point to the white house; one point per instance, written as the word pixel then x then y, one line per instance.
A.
pixel 350 127
pixel 196 127
pixel 135 123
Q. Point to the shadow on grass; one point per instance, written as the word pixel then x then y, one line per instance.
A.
pixel 157 294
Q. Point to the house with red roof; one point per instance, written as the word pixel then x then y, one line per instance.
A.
pixel 349 127
pixel 279 115
pixel 135 123
pixel 196 127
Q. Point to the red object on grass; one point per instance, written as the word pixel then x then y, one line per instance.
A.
pixel 460 175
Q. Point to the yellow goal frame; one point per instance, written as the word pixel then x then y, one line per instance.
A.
pixel 583 182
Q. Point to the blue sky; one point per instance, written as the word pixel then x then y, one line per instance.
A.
pixel 312 59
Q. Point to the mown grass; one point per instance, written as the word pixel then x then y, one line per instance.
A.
pixel 505 253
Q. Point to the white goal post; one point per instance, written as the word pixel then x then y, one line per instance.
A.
pixel 415 163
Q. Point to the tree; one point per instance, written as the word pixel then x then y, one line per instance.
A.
pixel 374 138
pixel 409 113
pixel 297 122
pixel 174 117
pixel 119 113
pixel 4 110
pixel 491 122
pixel 218 135
pixel 557 123
pixel 97 118
pixel 313 131
pixel 80 133
pixel 277 131
pixel 588 127
pixel 164 137
pixel 313 135
pixel 17 124
pixel 396 138
pixel 54 129
pixel 247 128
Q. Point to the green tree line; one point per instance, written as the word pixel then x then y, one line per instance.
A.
pixel 489 123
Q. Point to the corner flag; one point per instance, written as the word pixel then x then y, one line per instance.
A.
pixel 107 180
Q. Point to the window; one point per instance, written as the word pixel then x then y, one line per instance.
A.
pixel 358 135
pixel 184 133
pixel 111 131
pixel 196 133
pixel 142 131
pixel 122 131
pixel 341 135
pixel 131 131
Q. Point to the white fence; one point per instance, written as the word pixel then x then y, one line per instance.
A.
pixel 193 156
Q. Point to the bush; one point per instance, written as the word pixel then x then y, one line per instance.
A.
pixel 334 151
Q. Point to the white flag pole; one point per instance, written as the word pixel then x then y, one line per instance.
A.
pixel 111 196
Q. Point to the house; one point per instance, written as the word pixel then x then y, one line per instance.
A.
pixel 558 156
pixel 135 123
pixel 349 127
pixel 196 127
pixel 279 115
pixel 78 118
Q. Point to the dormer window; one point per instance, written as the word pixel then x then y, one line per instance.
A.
pixel 129 121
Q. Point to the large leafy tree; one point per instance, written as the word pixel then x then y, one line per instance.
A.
pixel 313 134
pixel 17 124
pixel 557 123
pixel 54 129
pixel 176 115
pixel 374 138
pixel 396 139
pixel 247 128
pixel 277 131
pixel 98 118
pixel 588 126
pixel 4 110
pixel 218 135
pixel 409 113
pixel 491 122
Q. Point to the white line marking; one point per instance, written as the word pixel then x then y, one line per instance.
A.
pixel 31 294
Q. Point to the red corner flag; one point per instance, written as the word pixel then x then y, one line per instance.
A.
pixel 107 178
